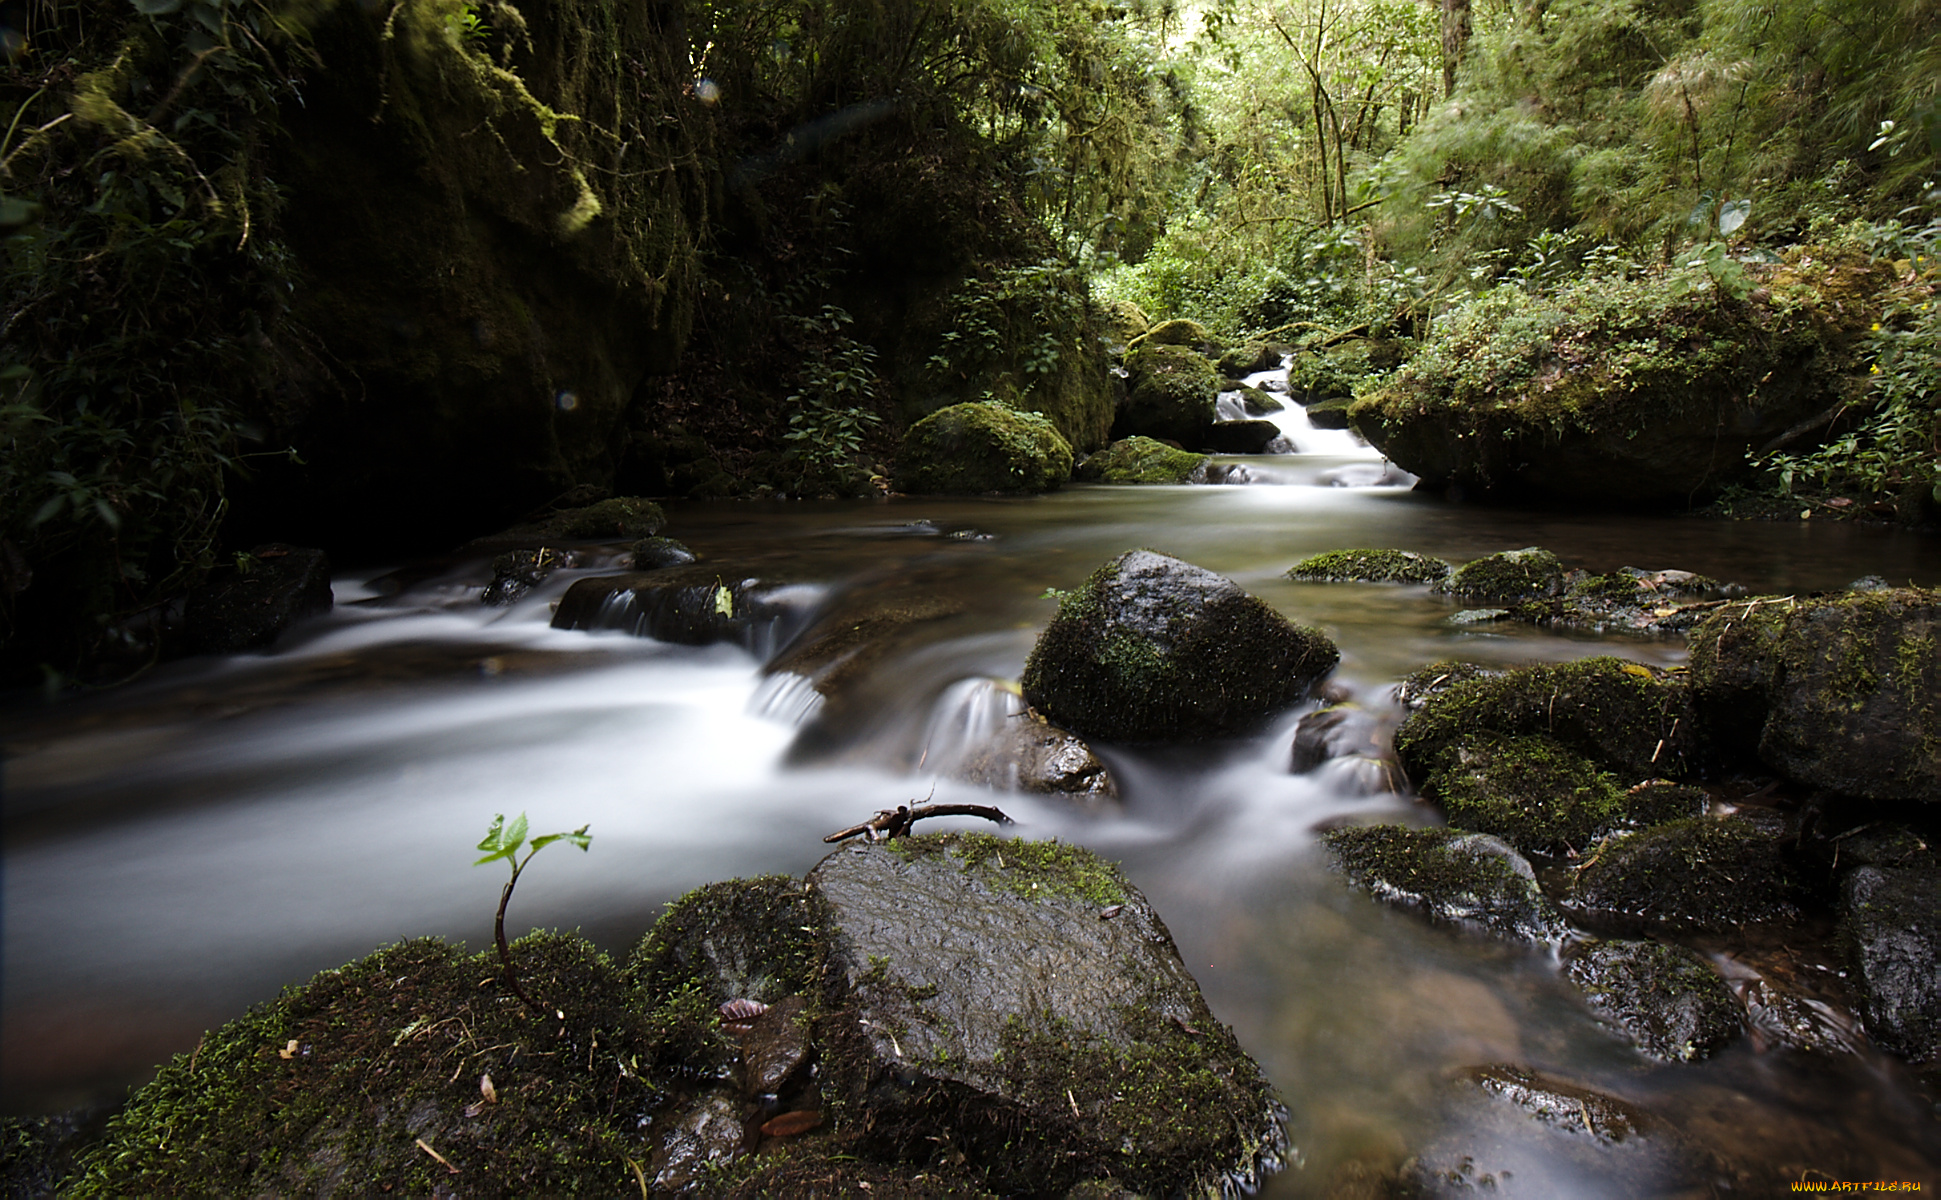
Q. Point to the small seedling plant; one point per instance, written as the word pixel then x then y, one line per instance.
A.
pixel 503 841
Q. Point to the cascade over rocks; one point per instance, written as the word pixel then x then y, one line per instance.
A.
pixel 1150 648
pixel 1839 692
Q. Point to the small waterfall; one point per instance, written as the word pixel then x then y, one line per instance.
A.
pixel 963 720
pixel 1300 431
pixel 787 699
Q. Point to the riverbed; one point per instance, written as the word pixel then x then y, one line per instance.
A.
pixel 182 847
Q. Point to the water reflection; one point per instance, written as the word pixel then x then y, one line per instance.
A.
pixel 184 847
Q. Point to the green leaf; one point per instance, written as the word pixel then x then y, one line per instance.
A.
pixel 502 841
pixel 724 601
pixel 579 837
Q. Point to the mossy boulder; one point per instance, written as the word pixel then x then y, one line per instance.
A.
pixel 1124 322
pixel 1173 394
pixel 1256 402
pixel 1544 798
pixel 1369 566
pixel 1142 460
pixel 1645 392
pixel 1626 600
pixel 1838 692
pixel 1331 413
pixel 1666 1000
pixel 981 447
pixel 1508 575
pixel 649 553
pixel 1891 927
pixel 1180 332
pixel 1700 874
pixel 1024 1000
pixel 1626 718
pixel 1449 875
pixel 1246 359
pixel 1150 648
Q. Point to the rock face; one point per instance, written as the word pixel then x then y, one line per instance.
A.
pixel 1891 922
pixel 1150 648
pixel 1666 999
pixel 1142 460
pixel 1174 395
pixel 241 610
pixel 1460 878
pixel 1636 393
pixel 980 447
pixel 1838 692
pixel 991 988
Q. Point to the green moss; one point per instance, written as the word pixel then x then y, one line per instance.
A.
pixel 1174 393
pixel 1449 875
pixel 976 448
pixel 1177 332
pixel 754 938
pixel 1698 874
pixel 1165 1096
pixel 1369 566
pixel 1623 716
pixel 1509 575
pixel 388 1055
pixel 1530 791
pixel 1142 460
pixel 1666 999
pixel 1032 869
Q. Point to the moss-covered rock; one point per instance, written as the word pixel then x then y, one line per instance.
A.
pixel 1525 574
pixel 980 447
pixel 1173 394
pixel 1535 794
pixel 1700 874
pixel 1641 392
pixel 1247 358
pixel 1240 437
pixel 1891 927
pixel 1666 1000
pixel 1150 648
pixel 1839 692
pixel 517 572
pixel 1258 403
pixel 1625 717
pixel 1449 875
pixel 652 552
pixel 1124 322
pixel 1424 684
pixel 1180 332
pixel 1369 566
pixel 938 1019
pixel 1331 413
pixel 1142 460
pixel 1626 600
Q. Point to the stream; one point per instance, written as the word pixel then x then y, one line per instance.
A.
pixel 181 848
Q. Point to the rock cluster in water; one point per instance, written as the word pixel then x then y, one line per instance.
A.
pixel 942 1015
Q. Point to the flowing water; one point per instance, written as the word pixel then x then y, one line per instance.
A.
pixel 183 847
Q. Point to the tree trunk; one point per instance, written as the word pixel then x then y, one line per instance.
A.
pixel 1455 36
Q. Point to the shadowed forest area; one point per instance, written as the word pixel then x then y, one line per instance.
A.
pixel 379 277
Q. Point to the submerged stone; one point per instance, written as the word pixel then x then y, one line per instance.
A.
pixel 1839 692
pixel 1624 717
pixel 981 447
pixel 1891 924
pixel 1700 874
pixel 1527 574
pixel 1142 460
pixel 517 572
pixel 1024 1001
pixel 1029 754
pixel 1369 566
pixel 1666 1000
pixel 691 606
pixel 1468 879
pixel 1150 648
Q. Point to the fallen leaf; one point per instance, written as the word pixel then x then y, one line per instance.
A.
pixel 289 1051
pixel 486 1089
pixel 791 1123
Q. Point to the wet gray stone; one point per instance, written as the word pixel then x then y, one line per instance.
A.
pixel 1891 922
pixel 1666 1000
pixel 1468 879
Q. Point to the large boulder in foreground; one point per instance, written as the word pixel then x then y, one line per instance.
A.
pixel 980 447
pixel 1643 392
pixel 1150 648
pixel 1025 998
pixel 1839 692
pixel 956 1015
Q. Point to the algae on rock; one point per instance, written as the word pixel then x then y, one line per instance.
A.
pixel 981 447
pixel 1139 459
